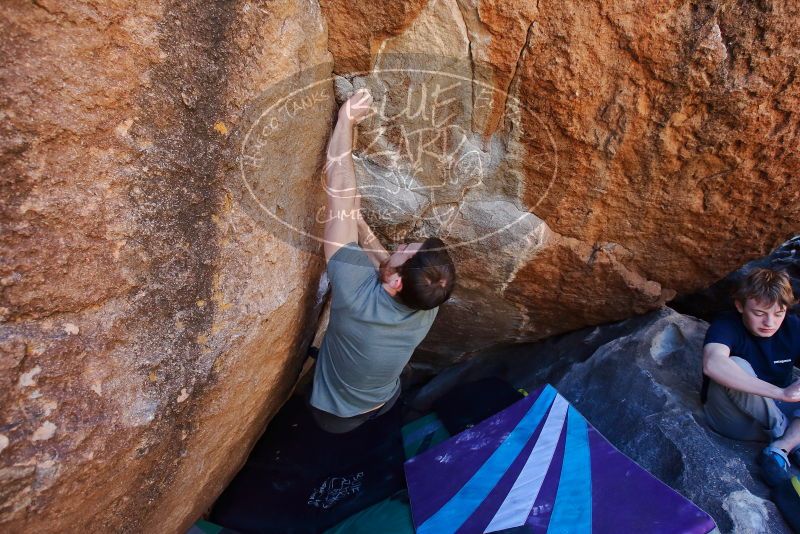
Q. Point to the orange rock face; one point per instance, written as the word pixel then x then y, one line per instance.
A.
pixel 152 324
pixel 356 30
pixel 160 169
pixel 652 147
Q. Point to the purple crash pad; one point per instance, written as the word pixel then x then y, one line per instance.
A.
pixel 539 466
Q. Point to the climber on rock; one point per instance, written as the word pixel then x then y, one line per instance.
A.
pixel 748 363
pixel 382 304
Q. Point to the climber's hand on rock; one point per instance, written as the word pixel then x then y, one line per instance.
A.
pixel 791 393
pixel 357 107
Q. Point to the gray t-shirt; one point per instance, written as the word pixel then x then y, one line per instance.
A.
pixel 369 340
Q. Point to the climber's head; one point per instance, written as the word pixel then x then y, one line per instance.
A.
pixel 421 274
pixel 763 298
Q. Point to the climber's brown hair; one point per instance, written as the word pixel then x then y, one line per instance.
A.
pixel 767 286
pixel 429 276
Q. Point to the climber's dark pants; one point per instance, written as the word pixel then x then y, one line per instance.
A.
pixel 339 425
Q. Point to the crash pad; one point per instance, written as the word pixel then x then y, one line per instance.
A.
pixel 301 479
pixel 422 434
pixel 539 466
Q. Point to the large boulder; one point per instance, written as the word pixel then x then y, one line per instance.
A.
pixel 648 381
pixel 151 324
pixel 637 381
pixel 586 161
pixel 161 166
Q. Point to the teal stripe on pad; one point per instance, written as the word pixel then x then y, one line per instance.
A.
pixel 572 511
pixel 457 510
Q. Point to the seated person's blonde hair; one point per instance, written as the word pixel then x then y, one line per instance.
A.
pixel 767 286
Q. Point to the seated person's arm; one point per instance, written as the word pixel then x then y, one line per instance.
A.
pixel 340 222
pixel 718 366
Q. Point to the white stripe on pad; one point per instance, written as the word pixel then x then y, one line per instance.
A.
pixel 519 502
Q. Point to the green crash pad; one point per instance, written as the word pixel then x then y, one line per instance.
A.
pixel 423 433
pixel 390 515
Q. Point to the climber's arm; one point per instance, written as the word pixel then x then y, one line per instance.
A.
pixel 340 221
pixel 370 243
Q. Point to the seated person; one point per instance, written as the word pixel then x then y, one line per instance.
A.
pixel 382 305
pixel 748 360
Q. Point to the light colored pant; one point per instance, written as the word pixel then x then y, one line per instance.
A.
pixel 745 416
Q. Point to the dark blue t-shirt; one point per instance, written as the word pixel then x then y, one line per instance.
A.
pixel 772 357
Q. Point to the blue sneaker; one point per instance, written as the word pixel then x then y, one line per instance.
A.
pixel 774 466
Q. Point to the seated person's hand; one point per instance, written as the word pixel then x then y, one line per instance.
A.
pixel 791 393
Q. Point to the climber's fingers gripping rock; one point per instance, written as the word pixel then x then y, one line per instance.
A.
pixel 357 107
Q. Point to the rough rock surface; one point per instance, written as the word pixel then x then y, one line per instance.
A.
pixel 627 152
pixel 151 324
pixel 637 382
pixel 712 300
pixel 160 191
